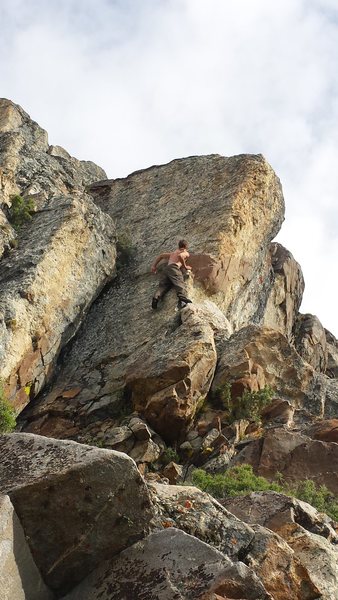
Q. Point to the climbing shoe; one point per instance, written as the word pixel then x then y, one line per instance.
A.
pixel 183 302
pixel 154 303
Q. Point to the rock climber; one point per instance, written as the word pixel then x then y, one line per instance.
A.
pixel 173 275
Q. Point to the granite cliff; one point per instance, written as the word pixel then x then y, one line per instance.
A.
pixel 107 391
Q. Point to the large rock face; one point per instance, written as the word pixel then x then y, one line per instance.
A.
pixel 64 256
pixel 78 505
pixel 240 201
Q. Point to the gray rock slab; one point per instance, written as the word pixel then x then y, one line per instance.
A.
pixel 170 565
pixel 78 505
pixel 19 576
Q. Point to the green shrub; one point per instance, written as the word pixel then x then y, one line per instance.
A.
pixel 247 406
pixel 7 413
pixel 237 481
pixel 318 496
pixel 241 480
pixel 20 211
pixel 168 455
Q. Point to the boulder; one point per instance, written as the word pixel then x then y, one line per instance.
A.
pixel 286 291
pixel 276 564
pixel 170 564
pixel 170 377
pixel 199 514
pixel 19 576
pixel 78 505
pixel 307 532
pixel 294 455
pixel 310 341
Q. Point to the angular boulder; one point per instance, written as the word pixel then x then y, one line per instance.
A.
pixel 78 505
pixel 295 456
pixel 171 565
pixel 19 576
pixel 172 375
pixel 286 292
pixel 308 533
pixel 199 514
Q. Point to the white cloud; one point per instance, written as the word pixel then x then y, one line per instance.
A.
pixel 129 84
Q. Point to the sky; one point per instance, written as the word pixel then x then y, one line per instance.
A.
pixel 132 83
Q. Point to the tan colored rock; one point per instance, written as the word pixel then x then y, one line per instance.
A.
pixel 332 354
pixel 286 292
pixel 310 341
pixel 64 256
pixel 170 564
pixel 295 456
pixel 78 505
pixel 324 430
pixel 44 293
pixel 285 372
pixel 239 199
pixel 308 533
pixel 170 377
pixel 19 576
pixel 173 472
pixel 281 571
pixel 279 412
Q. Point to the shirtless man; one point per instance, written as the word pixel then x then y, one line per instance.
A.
pixel 172 275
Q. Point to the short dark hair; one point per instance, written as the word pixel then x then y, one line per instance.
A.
pixel 182 244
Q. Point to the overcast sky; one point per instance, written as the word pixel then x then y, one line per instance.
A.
pixel 131 83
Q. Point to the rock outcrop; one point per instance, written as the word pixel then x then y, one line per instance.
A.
pixel 64 256
pixel 232 270
pixel 309 534
pixel 295 456
pixel 145 396
pixel 78 505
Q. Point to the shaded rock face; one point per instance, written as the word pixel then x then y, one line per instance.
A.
pixel 171 564
pixel 78 505
pixel 19 576
pixel 64 256
pixel 310 341
pixel 286 292
pixel 332 355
